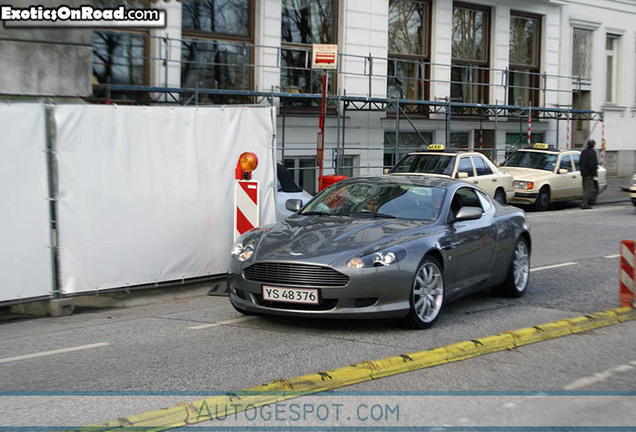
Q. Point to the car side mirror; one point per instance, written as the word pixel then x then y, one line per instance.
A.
pixel 468 213
pixel 386 170
pixel 563 171
pixel 462 175
pixel 293 205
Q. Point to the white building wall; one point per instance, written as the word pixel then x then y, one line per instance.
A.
pixel 608 17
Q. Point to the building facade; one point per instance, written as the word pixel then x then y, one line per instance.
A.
pixel 490 75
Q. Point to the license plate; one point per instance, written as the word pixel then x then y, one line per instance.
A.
pixel 290 295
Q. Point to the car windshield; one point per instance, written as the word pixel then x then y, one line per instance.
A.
pixel 426 164
pixel 378 200
pixel 532 159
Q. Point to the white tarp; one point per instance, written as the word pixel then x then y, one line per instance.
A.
pixel 146 192
pixel 25 257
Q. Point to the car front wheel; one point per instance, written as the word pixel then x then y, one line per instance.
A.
pixel 543 199
pixel 427 295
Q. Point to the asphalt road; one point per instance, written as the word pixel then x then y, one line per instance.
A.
pixel 154 356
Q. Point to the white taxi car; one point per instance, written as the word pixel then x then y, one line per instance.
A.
pixel 544 174
pixel 472 167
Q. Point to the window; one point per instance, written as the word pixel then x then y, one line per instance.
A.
pixel 524 76
pixel 305 23
pixel 470 53
pixel 465 166
pixel 409 142
pixel 119 58
pixel 582 54
pixel 409 26
pixel 611 54
pixel 577 162
pixel 216 50
pixel 459 140
pixel 304 172
pixel 566 163
pixel 480 166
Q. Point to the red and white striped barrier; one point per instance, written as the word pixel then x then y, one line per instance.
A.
pixel 246 207
pixel 626 281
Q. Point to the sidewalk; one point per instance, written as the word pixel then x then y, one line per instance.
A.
pixel 614 192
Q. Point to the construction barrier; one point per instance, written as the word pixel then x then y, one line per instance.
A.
pixel 246 207
pixel 626 280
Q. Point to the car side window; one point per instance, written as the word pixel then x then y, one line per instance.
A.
pixel 486 204
pixel 480 166
pixel 566 163
pixel 577 162
pixel 465 166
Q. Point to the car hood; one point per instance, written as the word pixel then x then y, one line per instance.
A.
pixel 527 174
pixel 327 239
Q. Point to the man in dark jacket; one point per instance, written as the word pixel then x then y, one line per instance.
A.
pixel 589 169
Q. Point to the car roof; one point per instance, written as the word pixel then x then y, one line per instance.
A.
pixel 449 152
pixel 553 150
pixel 415 179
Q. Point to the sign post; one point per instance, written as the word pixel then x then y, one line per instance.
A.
pixel 323 57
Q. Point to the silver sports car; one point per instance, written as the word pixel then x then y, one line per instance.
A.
pixel 389 246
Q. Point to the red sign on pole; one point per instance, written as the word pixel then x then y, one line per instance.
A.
pixel 324 57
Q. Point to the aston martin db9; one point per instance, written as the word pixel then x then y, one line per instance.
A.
pixel 388 246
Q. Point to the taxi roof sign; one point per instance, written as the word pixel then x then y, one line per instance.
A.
pixel 435 147
pixel 541 146
pixel 324 56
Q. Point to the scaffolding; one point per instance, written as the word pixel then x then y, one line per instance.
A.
pixel 297 85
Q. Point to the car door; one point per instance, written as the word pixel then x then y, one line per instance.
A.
pixel 577 188
pixel 560 182
pixel 570 180
pixel 486 179
pixel 470 244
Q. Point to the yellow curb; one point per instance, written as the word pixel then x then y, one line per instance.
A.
pixel 187 413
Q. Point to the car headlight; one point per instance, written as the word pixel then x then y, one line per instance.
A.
pixel 520 184
pixel 243 250
pixel 381 258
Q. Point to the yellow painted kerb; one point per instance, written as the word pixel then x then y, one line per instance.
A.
pixel 187 413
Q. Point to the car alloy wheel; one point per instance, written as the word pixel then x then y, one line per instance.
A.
pixel 427 294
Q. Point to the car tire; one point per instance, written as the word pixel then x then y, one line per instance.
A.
pixel 543 199
pixel 427 294
pixel 500 196
pixel 518 275
pixel 594 195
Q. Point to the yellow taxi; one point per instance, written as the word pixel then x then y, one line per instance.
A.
pixel 544 174
pixel 472 167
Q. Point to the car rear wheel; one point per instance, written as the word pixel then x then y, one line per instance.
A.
pixel 518 272
pixel 427 295
pixel 543 199
pixel 500 196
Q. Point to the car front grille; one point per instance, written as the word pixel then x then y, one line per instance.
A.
pixel 295 274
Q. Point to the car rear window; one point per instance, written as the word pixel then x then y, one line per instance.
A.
pixel 426 164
